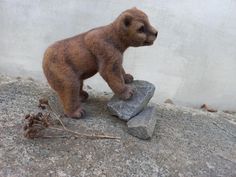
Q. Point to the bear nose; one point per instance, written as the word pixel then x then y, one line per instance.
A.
pixel 155 34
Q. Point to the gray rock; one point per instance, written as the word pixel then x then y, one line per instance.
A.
pixel 143 124
pixel 143 92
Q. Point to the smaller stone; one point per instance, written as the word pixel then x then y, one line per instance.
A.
pixel 143 125
pixel 126 109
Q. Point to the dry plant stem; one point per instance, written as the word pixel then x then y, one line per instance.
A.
pixel 54 137
pixel 85 135
pixel 76 133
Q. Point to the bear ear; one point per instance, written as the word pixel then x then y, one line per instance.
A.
pixel 127 19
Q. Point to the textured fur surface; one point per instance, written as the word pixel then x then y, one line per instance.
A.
pixel 67 63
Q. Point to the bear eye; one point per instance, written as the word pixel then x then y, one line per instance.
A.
pixel 141 29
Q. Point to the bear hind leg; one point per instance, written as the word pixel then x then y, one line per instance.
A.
pixel 70 98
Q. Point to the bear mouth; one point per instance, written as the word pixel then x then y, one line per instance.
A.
pixel 148 42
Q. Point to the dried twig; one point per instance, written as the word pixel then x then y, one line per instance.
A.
pixel 43 103
pixel 37 123
pixel 94 136
pixel 62 136
pixel 76 133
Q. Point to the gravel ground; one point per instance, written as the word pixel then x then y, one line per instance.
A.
pixel 186 142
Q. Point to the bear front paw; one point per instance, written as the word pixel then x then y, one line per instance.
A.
pixel 80 112
pixel 128 78
pixel 127 93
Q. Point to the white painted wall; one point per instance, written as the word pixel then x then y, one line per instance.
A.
pixel 192 62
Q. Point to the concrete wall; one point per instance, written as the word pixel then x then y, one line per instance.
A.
pixel 192 62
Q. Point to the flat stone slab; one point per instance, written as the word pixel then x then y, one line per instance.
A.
pixel 143 92
pixel 143 124
pixel 185 143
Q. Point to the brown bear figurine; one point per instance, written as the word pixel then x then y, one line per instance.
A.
pixel 67 63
